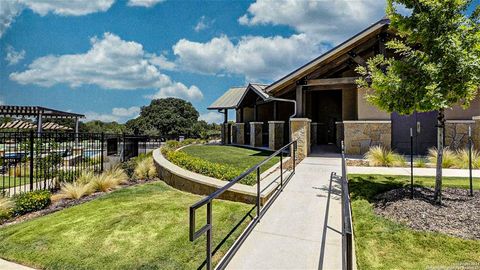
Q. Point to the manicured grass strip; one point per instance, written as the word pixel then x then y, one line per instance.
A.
pixel 11 181
pixel 383 244
pixel 142 227
pixel 239 157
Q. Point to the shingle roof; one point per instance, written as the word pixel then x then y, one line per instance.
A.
pixel 229 100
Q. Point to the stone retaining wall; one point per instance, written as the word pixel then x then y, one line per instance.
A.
pixel 361 135
pixel 195 183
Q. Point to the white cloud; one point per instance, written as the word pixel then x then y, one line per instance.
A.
pixel 118 115
pixel 133 111
pixel 2 101
pixel 111 63
pixel 9 9
pixel 179 90
pixel 327 20
pixel 258 58
pixel 162 62
pixel 203 24
pixel 211 117
pixel 143 3
pixel 13 57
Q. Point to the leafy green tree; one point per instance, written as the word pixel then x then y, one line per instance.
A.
pixel 436 63
pixel 97 126
pixel 168 117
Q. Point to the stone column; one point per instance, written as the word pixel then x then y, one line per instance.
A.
pixel 275 134
pixel 239 133
pixel 300 131
pixel 476 132
pixel 256 134
pixel 313 139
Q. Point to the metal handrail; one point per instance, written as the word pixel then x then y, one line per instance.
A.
pixel 347 229
pixel 207 228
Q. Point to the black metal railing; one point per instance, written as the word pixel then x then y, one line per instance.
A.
pixel 207 228
pixel 347 229
pixel 31 160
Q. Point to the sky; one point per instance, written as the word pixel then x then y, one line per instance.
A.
pixel 108 58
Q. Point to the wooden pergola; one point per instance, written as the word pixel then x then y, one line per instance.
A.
pixel 39 113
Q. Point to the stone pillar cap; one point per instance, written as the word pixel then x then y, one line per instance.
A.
pixel 239 123
pixel 276 122
pixel 255 123
pixel 476 117
pixel 314 123
pixel 300 120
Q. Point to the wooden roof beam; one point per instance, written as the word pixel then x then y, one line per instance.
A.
pixel 332 81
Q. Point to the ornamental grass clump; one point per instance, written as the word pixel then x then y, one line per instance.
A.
pixel 145 169
pixel 449 157
pixel 381 156
pixel 109 180
pixel 462 159
pixel 74 190
pixel 6 207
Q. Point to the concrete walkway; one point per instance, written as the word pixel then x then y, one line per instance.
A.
pixel 6 265
pixel 289 236
pixel 416 171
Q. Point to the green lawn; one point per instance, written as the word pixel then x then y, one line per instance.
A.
pixel 10 181
pixel 384 244
pixel 141 227
pixel 242 158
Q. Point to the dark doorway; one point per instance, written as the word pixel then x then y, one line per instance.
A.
pixel 326 110
pixel 424 132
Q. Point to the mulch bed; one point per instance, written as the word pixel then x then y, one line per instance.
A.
pixel 459 214
pixel 66 203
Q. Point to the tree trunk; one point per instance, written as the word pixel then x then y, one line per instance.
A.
pixel 438 177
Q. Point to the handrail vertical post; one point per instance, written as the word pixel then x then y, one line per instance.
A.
pixel 294 155
pixel 258 193
pixel 209 236
pixel 281 170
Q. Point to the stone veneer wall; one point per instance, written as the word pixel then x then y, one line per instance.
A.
pixel 238 133
pixel 476 132
pixel 300 131
pixel 360 135
pixel 456 133
pixel 275 134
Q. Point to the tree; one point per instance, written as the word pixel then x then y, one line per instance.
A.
pixel 168 117
pixel 436 63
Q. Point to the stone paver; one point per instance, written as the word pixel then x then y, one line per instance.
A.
pixel 6 265
pixel 289 236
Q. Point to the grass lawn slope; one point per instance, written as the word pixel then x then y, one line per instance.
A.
pixel 384 244
pixel 242 158
pixel 142 227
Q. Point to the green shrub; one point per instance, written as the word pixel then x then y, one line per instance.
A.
pixel 130 165
pixel 215 170
pixel 31 201
pixel 6 207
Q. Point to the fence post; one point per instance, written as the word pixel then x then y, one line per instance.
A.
pixel 101 153
pixel 209 236
pixel 31 159
pixel 123 147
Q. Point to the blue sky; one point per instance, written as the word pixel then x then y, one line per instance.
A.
pixel 107 58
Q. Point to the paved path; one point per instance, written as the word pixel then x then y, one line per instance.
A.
pixel 416 171
pixel 289 236
pixel 6 265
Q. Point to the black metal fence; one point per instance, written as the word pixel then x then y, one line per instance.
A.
pixel 207 229
pixel 31 161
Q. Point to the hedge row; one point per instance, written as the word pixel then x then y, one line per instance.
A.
pixel 201 166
